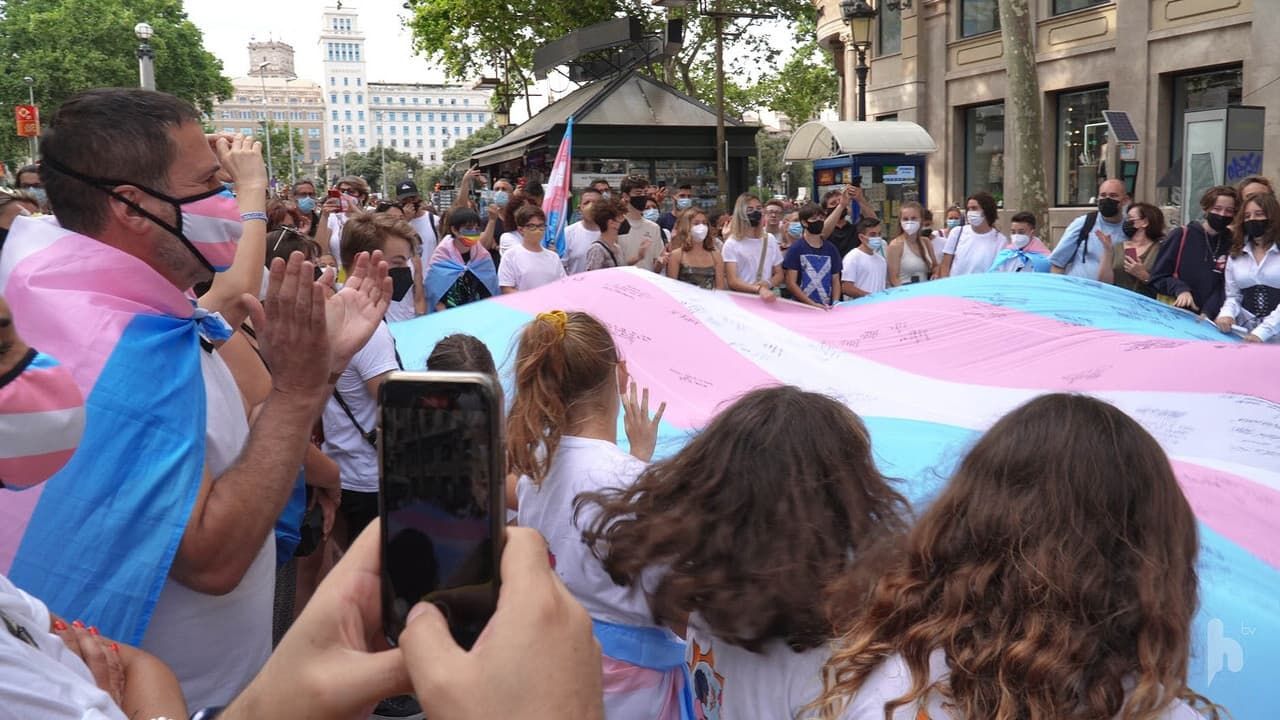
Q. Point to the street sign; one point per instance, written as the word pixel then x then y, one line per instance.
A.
pixel 27 119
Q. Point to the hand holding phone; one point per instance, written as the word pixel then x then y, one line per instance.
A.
pixel 1131 253
pixel 442 498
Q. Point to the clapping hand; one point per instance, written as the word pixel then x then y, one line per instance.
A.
pixel 354 312
pixel 241 158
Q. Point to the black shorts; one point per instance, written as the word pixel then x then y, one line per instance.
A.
pixel 358 510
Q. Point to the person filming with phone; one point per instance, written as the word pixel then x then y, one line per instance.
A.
pixel 845 208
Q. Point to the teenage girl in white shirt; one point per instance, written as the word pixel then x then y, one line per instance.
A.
pixel 562 441
pixel 738 538
pixel 1054 577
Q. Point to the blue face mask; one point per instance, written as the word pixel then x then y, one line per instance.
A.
pixel 795 229
pixel 306 204
pixel 500 198
pixel 652 214
pixel 684 203
pixel 38 192
pixel 875 243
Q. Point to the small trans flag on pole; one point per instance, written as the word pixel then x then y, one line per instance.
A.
pixel 556 202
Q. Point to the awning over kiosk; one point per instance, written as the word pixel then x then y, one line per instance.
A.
pixel 833 138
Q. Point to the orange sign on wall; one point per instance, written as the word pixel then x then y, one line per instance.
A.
pixel 27 118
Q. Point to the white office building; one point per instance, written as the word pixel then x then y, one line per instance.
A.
pixel 421 119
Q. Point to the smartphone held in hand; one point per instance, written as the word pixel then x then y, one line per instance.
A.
pixel 441 498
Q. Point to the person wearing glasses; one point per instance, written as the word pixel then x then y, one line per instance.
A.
pixel 529 265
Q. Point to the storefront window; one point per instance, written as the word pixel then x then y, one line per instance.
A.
pixel 978 17
pixel 1201 91
pixel 984 150
pixel 1082 138
pixel 890 28
pixel 1066 6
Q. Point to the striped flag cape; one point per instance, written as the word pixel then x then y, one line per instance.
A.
pixel 97 539
pixel 556 203
pixel 930 366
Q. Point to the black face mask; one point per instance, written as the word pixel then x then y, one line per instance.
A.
pixel 1128 228
pixel 1252 228
pixel 1219 223
pixel 814 227
pixel 755 217
pixel 1108 207
pixel 639 202
pixel 625 227
pixel 401 282
pixel 4 235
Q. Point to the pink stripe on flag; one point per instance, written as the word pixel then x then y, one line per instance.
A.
pixel 713 372
pixel 965 341
pixel 45 389
pixel 40 467
pixel 1235 507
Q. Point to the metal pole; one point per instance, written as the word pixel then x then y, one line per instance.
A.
pixel 146 66
pixel 288 125
pixel 862 82
pixel 382 150
pixel 722 157
pixel 31 100
pixel 266 124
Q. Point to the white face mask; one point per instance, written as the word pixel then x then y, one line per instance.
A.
pixel 699 232
pixel 911 227
pixel 976 217
pixel 1020 241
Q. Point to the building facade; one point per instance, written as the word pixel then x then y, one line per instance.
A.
pixel 420 119
pixel 940 63
pixel 273 90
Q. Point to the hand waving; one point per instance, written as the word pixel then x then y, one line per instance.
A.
pixel 354 312
pixel 292 333
pixel 642 431
pixel 241 157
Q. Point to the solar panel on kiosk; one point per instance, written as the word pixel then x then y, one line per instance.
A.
pixel 1121 127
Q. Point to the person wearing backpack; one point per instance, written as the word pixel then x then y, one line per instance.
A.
pixel 1190 271
pixel 1087 245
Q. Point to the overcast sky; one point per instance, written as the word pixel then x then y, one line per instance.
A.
pixel 229 26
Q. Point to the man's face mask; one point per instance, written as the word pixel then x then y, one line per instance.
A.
pixel 41 420
pixel 208 223
pixel 401 282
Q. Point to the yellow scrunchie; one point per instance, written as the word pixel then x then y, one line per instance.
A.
pixel 558 320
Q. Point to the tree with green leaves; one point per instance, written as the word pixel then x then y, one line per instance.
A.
pixel 280 142
pixel 67 46
pixel 368 165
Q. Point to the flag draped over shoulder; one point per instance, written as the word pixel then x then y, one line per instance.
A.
pixel 447 266
pixel 96 541
pixel 556 203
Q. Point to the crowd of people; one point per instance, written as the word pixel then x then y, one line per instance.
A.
pixel 1037 584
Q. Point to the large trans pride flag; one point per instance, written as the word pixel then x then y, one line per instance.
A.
pixel 930 366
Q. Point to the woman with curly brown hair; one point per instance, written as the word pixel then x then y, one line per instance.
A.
pixel 1054 577
pixel 562 441
pixel 739 536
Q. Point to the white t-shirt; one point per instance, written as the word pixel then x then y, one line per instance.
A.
pixel 425 227
pixel 577 241
pixel 509 240
pixel 336 221
pixel 46 680
pixel 736 684
pixel 745 253
pixel 630 243
pixel 868 272
pixel 974 252
pixel 358 460
pixel 892 679
pixel 215 644
pixel 582 465
pixel 524 269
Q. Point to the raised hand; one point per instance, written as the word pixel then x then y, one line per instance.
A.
pixel 354 312
pixel 642 431
pixel 293 333
pixel 241 158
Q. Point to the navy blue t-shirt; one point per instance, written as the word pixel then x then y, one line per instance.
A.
pixel 814 267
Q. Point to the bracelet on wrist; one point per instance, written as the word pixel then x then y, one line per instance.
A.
pixel 246 217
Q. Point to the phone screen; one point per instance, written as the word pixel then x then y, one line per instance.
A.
pixel 442 499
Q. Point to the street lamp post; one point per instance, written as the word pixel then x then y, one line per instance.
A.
pixel 31 99
pixel 288 128
pixel 266 122
pixel 146 56
pixel 860 14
